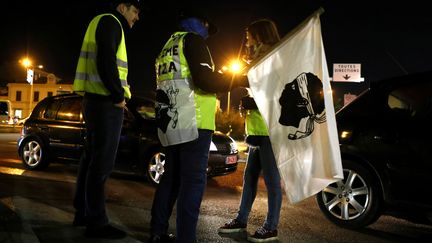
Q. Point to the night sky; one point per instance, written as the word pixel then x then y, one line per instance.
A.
pixel 388 39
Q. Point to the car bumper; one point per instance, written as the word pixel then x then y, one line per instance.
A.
pixel 218 165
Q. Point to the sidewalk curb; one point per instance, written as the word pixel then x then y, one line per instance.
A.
pixel 12 228
pixel 10 128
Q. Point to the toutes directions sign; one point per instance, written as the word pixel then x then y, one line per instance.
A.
pixel 347 72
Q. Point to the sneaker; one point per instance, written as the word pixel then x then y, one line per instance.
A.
pixel 104 232
pixel 263 235
pixel 165 238
pixel 232 227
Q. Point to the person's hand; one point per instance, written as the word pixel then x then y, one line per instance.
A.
pixel 122 104
pixel 247 59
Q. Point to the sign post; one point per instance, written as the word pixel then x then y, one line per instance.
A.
pixel 30 75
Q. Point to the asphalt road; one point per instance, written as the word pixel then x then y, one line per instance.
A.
pixel 42 204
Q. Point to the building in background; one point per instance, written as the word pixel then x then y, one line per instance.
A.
pixel 24 96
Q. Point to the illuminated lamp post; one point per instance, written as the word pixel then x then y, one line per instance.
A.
pixel 235 67
pixel 27 63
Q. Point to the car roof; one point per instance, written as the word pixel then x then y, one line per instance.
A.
pixel 68 95
pixel 425 76
pixel 387 84
pixel 73 95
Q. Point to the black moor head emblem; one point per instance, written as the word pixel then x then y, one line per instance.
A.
pixel 302 103
pixel 165 108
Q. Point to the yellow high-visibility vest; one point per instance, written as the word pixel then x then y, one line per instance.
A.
pixel 87 78
pixel 191 107
pixel 255 124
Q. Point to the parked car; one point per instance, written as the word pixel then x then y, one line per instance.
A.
pixel 20 121
pixel 385 139
pixel 5 112
pixel 55 131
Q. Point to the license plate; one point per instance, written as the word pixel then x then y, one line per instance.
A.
pixel 231 159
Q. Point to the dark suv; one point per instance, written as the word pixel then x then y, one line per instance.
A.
pixel 55 131
pixel 385 139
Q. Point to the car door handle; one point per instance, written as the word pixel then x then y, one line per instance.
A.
pixel 385 139
pixel 379 138
pixel 44 128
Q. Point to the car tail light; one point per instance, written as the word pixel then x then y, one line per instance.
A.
pixel 23 131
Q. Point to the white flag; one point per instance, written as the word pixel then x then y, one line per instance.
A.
pixel 291 87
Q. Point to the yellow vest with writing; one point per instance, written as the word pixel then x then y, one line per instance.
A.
pixel 190 107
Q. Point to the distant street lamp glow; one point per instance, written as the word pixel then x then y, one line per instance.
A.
pixel 26 62
pixel 30 70
pixel 235 66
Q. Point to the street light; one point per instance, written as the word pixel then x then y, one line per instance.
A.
pixel 234 67
pixel 27 63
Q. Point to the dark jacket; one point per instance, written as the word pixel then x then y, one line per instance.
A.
pixel 108 37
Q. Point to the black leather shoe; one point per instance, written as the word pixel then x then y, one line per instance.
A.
pixel 104 232
pixel 165 238
pixel 79 221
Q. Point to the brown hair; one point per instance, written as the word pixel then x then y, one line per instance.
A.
pixel 264 31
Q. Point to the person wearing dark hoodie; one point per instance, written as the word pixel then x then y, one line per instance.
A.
pixel 185 112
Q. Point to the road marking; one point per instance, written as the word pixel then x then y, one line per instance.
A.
pixel 16 161
pixel 11 171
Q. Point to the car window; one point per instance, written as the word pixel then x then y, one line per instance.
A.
pixel 128 118
pixel 51 110
pixel 146 112
pixel 146 109
pixel 70 110
pixel 413 100
pixel 4 108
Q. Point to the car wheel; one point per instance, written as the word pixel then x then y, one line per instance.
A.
pixel 353 202
pixel 155 168
pixel 33 154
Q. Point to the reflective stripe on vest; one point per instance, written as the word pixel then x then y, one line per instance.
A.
pixel 185 109
pixel 255 124
pixel 87 78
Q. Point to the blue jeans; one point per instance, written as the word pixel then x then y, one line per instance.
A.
pixel 261 157
pixel 184 181
pixel 103 122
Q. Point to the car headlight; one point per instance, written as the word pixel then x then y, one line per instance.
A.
pixel 213 146
pixel 233 146
pixel 345 135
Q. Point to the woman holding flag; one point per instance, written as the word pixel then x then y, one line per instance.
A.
pixel 260 36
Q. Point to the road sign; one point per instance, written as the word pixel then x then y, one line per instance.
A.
pixel 348 98
pixel 347 72
pixel 30 73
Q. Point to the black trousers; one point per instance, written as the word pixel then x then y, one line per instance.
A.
pixel 184 182
pixel 103 122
